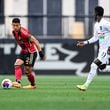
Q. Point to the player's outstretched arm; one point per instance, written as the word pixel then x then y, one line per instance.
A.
pixel 82 43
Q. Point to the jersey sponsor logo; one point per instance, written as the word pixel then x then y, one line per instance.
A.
pixel 101 36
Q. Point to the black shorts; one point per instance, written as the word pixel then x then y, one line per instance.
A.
pixel 28 58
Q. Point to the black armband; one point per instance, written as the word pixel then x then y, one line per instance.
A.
pixel 41 54
pixel 87 42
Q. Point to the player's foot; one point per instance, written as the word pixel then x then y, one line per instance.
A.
pixel 29 87
pixel 82 87
pixel 16 84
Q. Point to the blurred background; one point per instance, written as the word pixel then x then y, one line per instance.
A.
pixel 51 18
pixel 57 24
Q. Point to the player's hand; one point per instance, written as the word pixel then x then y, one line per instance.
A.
pixel 80 44
pixel 41 54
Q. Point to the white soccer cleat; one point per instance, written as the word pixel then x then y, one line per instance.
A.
pixel 82 87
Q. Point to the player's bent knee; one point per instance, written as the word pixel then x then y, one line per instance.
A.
pixel 19 62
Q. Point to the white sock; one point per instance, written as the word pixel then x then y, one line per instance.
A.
pixel 92 74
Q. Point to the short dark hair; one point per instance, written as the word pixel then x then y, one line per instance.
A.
pixel 16 20
pixel 99 10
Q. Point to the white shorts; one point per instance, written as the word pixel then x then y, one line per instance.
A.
pixel 103 56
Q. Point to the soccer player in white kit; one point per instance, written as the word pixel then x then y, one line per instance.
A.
pixel 101 34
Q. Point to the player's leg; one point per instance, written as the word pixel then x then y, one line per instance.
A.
pixel 100 63
pixel 29 63
pixel 31 77
pixel 92 73
pixel 18 72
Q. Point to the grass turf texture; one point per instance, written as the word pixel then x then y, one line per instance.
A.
pixel 58 93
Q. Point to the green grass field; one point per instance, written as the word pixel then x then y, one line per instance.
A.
pixel 57 93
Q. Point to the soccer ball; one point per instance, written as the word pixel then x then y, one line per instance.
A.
pixel 6 84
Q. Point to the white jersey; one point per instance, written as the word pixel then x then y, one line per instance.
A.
pixel 101 33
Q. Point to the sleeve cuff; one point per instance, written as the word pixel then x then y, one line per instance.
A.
pixel 86 42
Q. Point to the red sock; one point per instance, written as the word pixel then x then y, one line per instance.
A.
pixel 31 78
pixel 18 73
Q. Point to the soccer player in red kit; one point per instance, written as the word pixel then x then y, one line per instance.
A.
pixel 29 47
